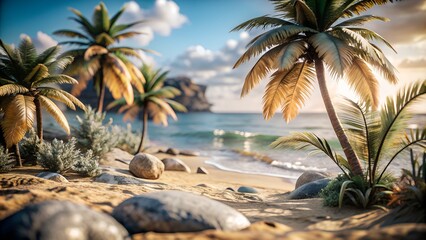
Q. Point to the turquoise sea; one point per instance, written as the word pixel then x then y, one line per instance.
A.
pixel 219 137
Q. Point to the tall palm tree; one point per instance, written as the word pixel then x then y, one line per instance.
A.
pixel 98 59
pixel 27 83
pixel 305 35
pixel 153 99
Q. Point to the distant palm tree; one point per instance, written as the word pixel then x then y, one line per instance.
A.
pixel 153 99
pixel 97 59
pixel 27 83
pixel 304 36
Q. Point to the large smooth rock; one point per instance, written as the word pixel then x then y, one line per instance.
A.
pixel 177 211
pixel 117 154
pixel 175 164
pixel 52 176
pixel 309 190
pixel 310 176
pixel 244 189
pixel 202 170
pixel 60 220
pixel 146 166
pixel 173 151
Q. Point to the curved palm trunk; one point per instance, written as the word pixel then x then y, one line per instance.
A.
pixel 344 142
pixel 39 119
pixel 101 92
pixel 144 129
pixel 18 156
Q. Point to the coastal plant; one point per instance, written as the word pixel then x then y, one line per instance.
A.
pixel 98 56
pixel 5 160
pixel 93 134
pixel 300 39
pixel 62 157
pixel 127 139
pixel 29 84
pixel 153 99
pixel 29 146
pixel 330 194
pixel 378 138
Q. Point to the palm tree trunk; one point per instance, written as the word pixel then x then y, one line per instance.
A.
pixel 39 119
pixel 144 128
pixel 101 91
pixel 344 142
pixel 18 156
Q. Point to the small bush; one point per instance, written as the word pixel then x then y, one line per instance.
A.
pixel 61 157
pixel 93 135
pixel 29 147
pixel 5 160
pixel 126 139
pixel 331 192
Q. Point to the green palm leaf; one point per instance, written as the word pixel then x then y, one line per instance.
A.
pixel 361 20
pixel 55 79
pixel 261 22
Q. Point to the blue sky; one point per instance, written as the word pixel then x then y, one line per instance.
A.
pixel 193 39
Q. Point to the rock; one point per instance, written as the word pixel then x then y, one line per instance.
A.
pixel 177 211
pixel 60 220
pixel 309 190
pixel 172 151
pixel 117 154
pixel 117 178
pixel 175 164
pixel 244 189
pixel 229 189
pixel 189 153
pixel 52 176
pixel 193 95
pixel 310 176
pixel 202 170
pixel 146 166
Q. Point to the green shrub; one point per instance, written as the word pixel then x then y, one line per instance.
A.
pixel 29 146
pixel 93 134
pixel 58 156
pixel 87 165
pixel 126 139
pixel 6 161
pixel 331 192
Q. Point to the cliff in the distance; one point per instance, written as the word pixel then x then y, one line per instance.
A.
pixel 193 95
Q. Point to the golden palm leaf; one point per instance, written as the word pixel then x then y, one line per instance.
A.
pixel 10 89
pixel 137 79
pixel 104 39
pixel 131 113
pixel 291 53
pixel 362 79
pixel 275 94
pixel 166 108
pixel 263 66
pixel 125 35
pixel 298 89
pixel 58 96
pixel 38 72
pixel 157 115
pixel 56 113
pixel 58 79
pixel 94 50
pixel 117 79
pixel 335 53
pixel 18 118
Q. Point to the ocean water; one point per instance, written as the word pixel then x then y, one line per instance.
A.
pixel 222 136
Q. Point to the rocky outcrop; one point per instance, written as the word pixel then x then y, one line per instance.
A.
pixel 193 95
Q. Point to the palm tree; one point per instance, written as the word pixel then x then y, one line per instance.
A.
pixel 154 99
pixel 305 35
pixel 27 83
pixel 98 59
pixel 378 137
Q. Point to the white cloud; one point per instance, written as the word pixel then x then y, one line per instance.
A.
pixel 161 19
pixel 42 41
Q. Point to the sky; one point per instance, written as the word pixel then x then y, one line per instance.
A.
pixel 193 39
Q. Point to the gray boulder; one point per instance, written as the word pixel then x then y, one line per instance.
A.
pixel 310 176
pixel 60 220
pixel 244 189
pixel 177 211
pixel 146 166
pixel 309 190
pixel 175 164
pixel 117 178
pixel 173 151
pixel 202 170
pixel 52 176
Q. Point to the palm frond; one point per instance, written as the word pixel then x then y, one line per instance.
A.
pixel 57 95
pixel 261 22
pixel 27 52
pixel 117 79
pixel 275 94
pixel 291 53
pixel 121 27
pixel 175 105
pixel 362 79
pixel 48 56
pixel 37 73
pixel 60 64
pixel 131 113
pixel 71 34
pixel 56 113
pixel 94 50
pixel 298 89
pixel 356 21
pixel 358 7
pixel 85 24
pixel 128 51
pixel 19 115
pixel 100 18
pixel 125 35
pixel 57 79
pixel 104 39
pixel 164 107
pixel 12 89
pixel 263 66
pixel 371 35
pixel 116 16
pixel 335 53
pixel 304 15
